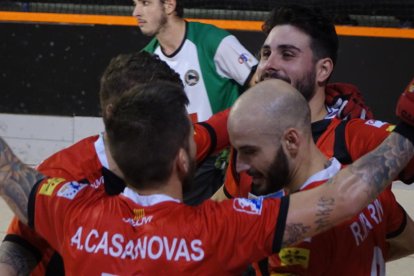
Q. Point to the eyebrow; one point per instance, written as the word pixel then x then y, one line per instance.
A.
pixel 282 47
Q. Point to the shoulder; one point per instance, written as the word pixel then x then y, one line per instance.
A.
pixel 68 162
pixel 206 33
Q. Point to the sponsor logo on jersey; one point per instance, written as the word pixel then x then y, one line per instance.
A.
pixel 50 185
pixel 251 206
pixel 70 189
pixel 375 123
pixel 243 58
pixel 139 218
pixel 143 247
pixel 294 256
pixel 390 128
pixel 191 77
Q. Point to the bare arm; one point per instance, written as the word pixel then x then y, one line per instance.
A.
pixel 317 210
pixel 15 260
pixel 16 181
pixel 403 244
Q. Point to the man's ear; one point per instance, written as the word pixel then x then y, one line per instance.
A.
pixel 108 111
pixel 291 141
pixel 182 162
pixel 170 6
pixel 324 68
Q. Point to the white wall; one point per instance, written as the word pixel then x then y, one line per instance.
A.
pixel 35 137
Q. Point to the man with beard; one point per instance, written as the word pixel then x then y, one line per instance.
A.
pixel 22 249
pixel 214 67
pixel 281 154
pixel 147 230
pixel 301 48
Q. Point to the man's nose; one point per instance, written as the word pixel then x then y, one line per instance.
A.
pixel 241 166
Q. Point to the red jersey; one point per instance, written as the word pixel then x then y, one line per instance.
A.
pixel 87 156
pixel 131 234
pixel 344 140
pixel 355 247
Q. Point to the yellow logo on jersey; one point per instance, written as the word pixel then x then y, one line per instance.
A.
pixel 390 128
pixel 294 256
pixel 48 187
pixel 139 214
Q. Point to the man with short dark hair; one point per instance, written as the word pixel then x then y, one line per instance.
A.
pixel 148 230
pixel 22 249
pixel 213 65
pixel 301 48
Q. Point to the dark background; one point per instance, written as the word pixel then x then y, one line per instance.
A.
pixel 55 69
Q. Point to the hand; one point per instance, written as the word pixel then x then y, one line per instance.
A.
pixel 405 105
pixel 348 99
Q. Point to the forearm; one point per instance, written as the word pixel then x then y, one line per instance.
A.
pixel 377 169
pixel 15 260
pixel 16 181
pixel 343 196
pixel 403 244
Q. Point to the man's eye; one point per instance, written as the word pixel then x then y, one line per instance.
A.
pixel 265 53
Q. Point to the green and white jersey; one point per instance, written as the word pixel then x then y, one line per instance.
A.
pixel 213 66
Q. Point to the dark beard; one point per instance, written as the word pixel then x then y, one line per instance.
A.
pixel 278 175
pixel 306 86
pixel 188 179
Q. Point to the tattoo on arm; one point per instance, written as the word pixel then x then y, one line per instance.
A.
pixel 323 213
pixel 381 166
pixel 16 181
pixel 17 258
pixel 294 232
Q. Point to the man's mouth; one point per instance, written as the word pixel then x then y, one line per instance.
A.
pixel 274 75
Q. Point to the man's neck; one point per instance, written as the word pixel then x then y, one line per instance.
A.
pixel 112 166
pixel 317 105
pixel 171 188
pixel 312 162
pixel 171 37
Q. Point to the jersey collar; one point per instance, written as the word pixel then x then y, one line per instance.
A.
pixel 324 174
pixel 100 151
pixel 147 200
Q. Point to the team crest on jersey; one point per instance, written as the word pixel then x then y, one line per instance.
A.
pixel 375 123
pixel 70 189
pixel 294 256
pixel 251 206
pixel 49 186
pixel 191 77
pixel 243 58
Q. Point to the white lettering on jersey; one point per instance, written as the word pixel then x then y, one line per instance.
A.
pixel 98 182
pixel 138 222
pixel 362 227
pixel 151 247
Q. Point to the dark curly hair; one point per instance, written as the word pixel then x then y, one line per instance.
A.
pixel 312 21
pixel 127 70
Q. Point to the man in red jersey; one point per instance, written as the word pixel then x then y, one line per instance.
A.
pixel 22 249
pixel 301 48
pixel 280 154
pixel 147 230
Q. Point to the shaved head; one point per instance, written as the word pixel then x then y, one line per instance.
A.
pixel 267 126
pixel 269 108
